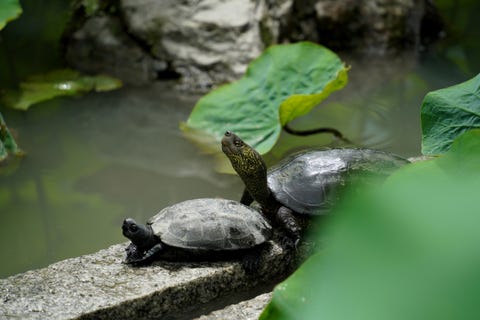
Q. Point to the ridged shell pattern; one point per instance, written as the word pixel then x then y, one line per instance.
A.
pixel 309 182
pixel 210 224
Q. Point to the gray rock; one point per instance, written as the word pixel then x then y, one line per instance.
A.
pixel 367 27
pixel 99 286
pixel 101 45
pixel 210 42
pixel 245 310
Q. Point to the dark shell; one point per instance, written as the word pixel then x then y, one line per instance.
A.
pixel 309 182
pixel 210 224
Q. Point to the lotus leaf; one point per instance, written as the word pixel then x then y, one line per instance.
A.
pixel 449 112
pixel 285 82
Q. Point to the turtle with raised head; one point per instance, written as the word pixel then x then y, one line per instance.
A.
pixel 306 183
pixel 200 228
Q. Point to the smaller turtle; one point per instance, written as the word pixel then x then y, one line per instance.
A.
pixel 200 228
pixel 304 184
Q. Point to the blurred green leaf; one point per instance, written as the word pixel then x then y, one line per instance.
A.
pixel 7 142
pixel 90 6
pixel 3 151
pixel 9 10
pixel 285 82
pixel 56 83
pixel 407 250
pixel 447 113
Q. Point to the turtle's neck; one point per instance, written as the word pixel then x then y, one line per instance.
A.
pixel 146 239
pixel 253 171
pixel 251 168
pixel 258 188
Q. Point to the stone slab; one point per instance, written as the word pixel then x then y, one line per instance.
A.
pixel 245 310
pixel 100 286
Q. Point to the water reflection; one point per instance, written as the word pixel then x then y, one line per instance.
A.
pixel 91 162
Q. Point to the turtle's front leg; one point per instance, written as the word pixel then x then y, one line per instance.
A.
pixel 288 221
pixel 152 252
pixel 247 198
pixel 133 253
pixel 146 258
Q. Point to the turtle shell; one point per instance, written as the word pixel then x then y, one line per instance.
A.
pixel 309 182
pixel 210 224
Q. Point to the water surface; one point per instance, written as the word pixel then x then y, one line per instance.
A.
pixel 94 160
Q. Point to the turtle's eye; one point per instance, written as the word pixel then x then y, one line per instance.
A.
pixel 238 143
pixel 133 228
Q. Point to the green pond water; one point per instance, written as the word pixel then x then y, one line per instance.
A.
pixel 94 160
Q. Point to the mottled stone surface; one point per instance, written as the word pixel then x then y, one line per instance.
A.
pixel 210 42
pixel 99 286
pixel 102 45
pixel 369 27
pixel 245 310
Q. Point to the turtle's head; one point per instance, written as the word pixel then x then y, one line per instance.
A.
pixel 245 160
pixel 139 234
pixel 233 145
pixel 249 165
